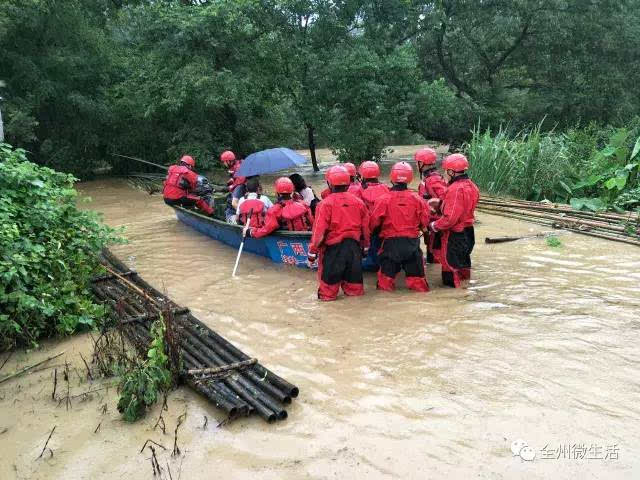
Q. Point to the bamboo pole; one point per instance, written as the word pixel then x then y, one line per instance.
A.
pixel 30 367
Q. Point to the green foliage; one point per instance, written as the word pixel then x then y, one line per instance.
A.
pixel 141 383
pixel 554 242
pixel 87 78
pixel 48 253
pixel 591 169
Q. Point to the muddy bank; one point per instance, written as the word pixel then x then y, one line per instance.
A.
pixel 542 347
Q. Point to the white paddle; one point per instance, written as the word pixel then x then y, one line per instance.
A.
pixel 244 235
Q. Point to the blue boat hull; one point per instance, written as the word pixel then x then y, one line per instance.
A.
pixel 286 247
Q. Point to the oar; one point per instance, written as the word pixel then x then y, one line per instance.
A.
pixel 513 239
pixel 141 160
pixel 244 235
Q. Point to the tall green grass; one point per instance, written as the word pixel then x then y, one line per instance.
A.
pixel 530 164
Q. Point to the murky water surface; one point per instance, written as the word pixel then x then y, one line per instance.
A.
pixel 542 347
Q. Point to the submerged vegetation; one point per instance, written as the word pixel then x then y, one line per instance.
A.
pixel 48 253
pixel 143 380
pixel 591 168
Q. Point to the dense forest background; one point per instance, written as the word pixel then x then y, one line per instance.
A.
pixel 81 79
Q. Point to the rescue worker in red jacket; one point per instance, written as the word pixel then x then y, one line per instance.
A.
pixel 181 184
pixel 456 222
pixel 229 160
pixel 340 237
pixel 327 191
pixel 432 186
pixel 354 185
pixel 399 216
pixel 371 187
pixel 286 214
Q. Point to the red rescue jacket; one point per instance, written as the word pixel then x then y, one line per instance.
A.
pixel 325 193
pixel 399 213
pixel 371 192
pixel 432 186
pixel 459 205
pixel 286 215
pixel 355 188
pixel 339 216
pixel 180 180
pixel 257 216
pixel 233 182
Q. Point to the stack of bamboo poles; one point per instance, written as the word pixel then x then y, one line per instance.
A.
pixel 211 365
pixel 608 225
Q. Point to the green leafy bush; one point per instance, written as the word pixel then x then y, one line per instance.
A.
pixel 48 253
pixel 591 168
pixel 140 385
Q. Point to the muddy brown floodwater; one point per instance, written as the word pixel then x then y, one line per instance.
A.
pixel 543 347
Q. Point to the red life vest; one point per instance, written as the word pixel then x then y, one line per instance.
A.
pixel 339 216
pixel 257 216
pixel 179 181
pixel 295 216
pixel 400 213
pixel 371 192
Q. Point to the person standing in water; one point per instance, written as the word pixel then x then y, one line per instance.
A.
pixel 399 216
pixel 339 240
pixel 456 222
pixel 432 186
pixel 181 185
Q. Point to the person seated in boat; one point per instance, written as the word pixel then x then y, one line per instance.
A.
pixel 184 187
pixel 232 164
pixel 287 214
pixel 303 192
pixel 339 240
pixel 253 204
pixel 399 216
pixel 456 222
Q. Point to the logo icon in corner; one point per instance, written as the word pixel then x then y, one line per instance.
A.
pixel 519 448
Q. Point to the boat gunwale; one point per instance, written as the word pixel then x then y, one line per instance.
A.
pixel 221 223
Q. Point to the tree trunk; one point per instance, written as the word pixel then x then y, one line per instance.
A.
pixel 1 128
pixel 312 148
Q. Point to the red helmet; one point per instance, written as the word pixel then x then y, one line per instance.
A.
pixel 456 162
pixel 425 156
pixel 351 168
pixel 227 157
pixel 369 170
pixel 284 185
pixel 337 176
pixel 188 160
pixel 401 172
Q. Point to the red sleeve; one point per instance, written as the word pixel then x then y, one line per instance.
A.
pixel 366 231
pixel 453 209
pixel 192 178
pixel 325 193
pixel 377 214
pixel 439 188
pixel 271 223
pixel 423 214
pixel 421 189
pixel 309 215
pixel 320 226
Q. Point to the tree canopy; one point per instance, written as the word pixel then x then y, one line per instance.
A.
pixel 81 79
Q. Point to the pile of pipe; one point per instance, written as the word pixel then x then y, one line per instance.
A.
pixel 233 381
pixel 620 227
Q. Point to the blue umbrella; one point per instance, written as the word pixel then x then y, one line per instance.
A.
pixel 269 161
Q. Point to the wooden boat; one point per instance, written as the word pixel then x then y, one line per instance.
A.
pixel 281 246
